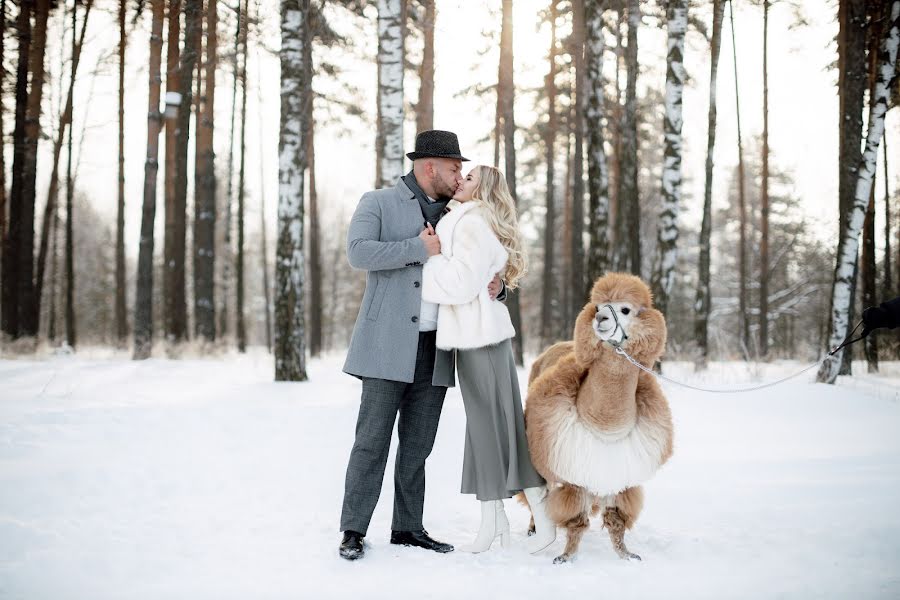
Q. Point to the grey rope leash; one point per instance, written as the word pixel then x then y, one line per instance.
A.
pixel 622 352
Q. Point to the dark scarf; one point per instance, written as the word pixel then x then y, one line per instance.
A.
pixel 432 211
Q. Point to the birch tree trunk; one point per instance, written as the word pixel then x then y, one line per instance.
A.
pixel 506 85
pixel 205 190
pixel 764 200
pixel 390 91
pixel 576 266
pixel 143 302
pixel 742 207
pixel 65 121
pixel 290 343
pixel 702 301
pixel 841 295
pixel 549 289
pixel 628 186
pixel 667 235
pixel 425 106
pixel 852 76
pixel 598 175
pixel 121 318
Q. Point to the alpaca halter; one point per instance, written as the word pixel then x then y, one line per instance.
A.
pixel 618 327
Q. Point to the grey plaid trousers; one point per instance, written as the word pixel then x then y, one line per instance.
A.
pixel 419 405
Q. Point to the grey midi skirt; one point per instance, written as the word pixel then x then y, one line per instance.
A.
pixel 496 463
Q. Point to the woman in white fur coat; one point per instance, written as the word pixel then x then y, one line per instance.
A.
pixel 480 238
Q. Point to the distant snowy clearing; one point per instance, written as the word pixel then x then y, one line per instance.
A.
pixel 200 478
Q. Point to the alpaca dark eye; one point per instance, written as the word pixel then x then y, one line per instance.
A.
pixel 625 311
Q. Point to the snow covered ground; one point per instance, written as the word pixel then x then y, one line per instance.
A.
pixel 203 479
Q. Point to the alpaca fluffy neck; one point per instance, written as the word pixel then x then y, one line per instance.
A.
pixel 606 399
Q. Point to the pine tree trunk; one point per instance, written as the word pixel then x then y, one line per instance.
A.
pixel 617 255
pixel 173 84
pixel 264 245
pixel 143 302
pixel 743 307
pixel 121 319
pixel 888 282
pixel 506 84
pixel 54 279
pixel 577 278
pixel 868 272
pixel 629 200
pixel 549 289
pixel 3 202
pixel 425 106
pixel 703 298
pixel 11 266
pixel 177 327
pixel 24 253
pixel 391 33
pixel 205 191
pixel 315 252
pixel 598 175
pixel 290 351
pixel 241 328
pixel 841 295
pixel 667 235
pixel 65 121
pixel 869 295
pixel 764 200
pixel 70 229
pixel 228 253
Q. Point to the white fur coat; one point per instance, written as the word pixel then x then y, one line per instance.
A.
pixel 458 277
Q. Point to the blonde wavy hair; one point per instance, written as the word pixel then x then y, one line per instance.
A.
pixel 500 207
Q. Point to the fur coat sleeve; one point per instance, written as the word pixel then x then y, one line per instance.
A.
pixel 475 255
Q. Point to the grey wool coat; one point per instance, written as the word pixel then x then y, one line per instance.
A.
pixel 383 240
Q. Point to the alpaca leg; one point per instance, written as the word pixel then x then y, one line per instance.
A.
pixel 615 524
pixel 576 528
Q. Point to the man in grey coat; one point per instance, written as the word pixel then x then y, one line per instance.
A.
pixel 393 349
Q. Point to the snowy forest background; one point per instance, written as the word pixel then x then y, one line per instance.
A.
pixel 600 113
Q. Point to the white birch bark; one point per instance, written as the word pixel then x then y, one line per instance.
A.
pixel 390 91
pixel 843 277
pixel 290 345
pixel 667 232
pixel 598 174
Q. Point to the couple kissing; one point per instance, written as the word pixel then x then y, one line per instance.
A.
pixel 440 251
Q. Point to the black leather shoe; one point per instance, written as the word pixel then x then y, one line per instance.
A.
pixel 419 539
pixel 352 545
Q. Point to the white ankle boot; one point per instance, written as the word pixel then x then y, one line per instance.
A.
pixel 544 528
pixel 494 524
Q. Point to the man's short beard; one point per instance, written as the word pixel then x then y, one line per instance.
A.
pixel 442 191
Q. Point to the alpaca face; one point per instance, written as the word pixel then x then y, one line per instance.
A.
pixel 612 321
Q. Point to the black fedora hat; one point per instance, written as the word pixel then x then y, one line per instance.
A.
pixel 438 144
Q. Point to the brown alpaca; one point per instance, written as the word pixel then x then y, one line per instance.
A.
pixel 598 426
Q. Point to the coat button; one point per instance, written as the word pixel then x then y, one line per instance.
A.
pixel 415 284
pixel 415 319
